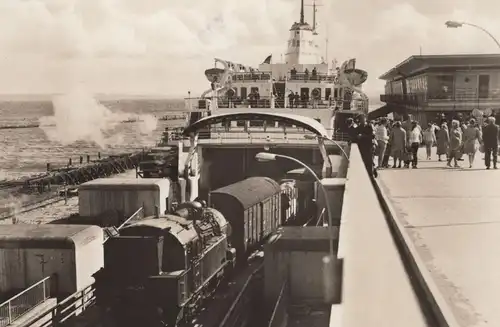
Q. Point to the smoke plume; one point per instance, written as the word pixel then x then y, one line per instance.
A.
pixel 80 117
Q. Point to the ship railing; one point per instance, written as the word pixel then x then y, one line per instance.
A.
pixel 310 77
pixel 257 134
pixel 23 302
pixel 322 102
pixel 279 317
pixel 251 77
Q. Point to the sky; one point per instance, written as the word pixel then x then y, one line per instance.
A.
pixel 162 47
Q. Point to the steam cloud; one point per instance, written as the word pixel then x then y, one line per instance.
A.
pixel 80 117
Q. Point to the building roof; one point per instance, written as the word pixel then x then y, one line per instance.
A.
pixel 415 64
pixel 301 121
pixel 48 236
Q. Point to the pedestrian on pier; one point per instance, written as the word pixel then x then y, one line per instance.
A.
pixel 429 139
pixel 443 141
pixel 455 143
pixel 365 140
pixel 490 140
pixel 382 137
pixel 472 139
pixel 414 141
pixel 397 140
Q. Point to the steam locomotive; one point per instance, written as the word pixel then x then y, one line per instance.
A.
pixel 159 270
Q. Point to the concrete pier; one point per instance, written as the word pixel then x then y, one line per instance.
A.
pixel 451 217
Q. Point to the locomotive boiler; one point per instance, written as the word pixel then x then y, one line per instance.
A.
pixel 161 268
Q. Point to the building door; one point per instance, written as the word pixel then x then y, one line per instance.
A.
pixel 279 91
pixel 484 86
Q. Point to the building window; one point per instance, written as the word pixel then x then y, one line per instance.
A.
pixel 484 86
pixel 441 87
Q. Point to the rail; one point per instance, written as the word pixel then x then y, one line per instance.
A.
pixel 234 315
pixel 323 101
pixel 310 77
pixel 66 309
pixel 459 94
pixel 23 302
pixel 279 316
pixel 250 133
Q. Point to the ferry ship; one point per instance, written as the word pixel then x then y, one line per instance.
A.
pixel 282 106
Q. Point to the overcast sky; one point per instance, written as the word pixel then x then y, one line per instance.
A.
pixel 164 46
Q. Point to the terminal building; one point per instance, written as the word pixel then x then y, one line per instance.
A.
pixel 430 86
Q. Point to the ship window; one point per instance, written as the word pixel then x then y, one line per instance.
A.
pixel 328 92
pixel 243 93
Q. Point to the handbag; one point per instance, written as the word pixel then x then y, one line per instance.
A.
pixel 481 148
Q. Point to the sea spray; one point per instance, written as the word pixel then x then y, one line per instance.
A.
pixel 78 116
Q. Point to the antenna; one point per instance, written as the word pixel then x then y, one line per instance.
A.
pixel 315 10
pixel 302 11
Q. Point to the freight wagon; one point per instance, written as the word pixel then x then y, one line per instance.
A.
pixel 69 254
pixel 253 209
pixel 110 201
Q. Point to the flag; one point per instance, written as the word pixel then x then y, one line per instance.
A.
pixel 268 59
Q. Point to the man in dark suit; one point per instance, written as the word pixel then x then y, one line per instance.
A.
pixel 365 138
pixel 490 139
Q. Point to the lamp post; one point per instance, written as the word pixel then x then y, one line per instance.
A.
pixel 328 261
pixel 315 137
pixel 455 24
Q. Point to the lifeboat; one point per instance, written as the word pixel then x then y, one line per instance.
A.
pixel 214 72
pixel 356 76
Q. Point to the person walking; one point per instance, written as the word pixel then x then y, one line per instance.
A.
pixel 472 138
pixel 365 138
pixel 414 141
pixel 429 137
pixel 398 144
pixel 443 141
pixel 490 141
pixel 382 137
pixel 455 143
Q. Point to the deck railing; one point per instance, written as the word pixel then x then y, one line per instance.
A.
pixel 459 94
pixel 23 302
pixel 279 316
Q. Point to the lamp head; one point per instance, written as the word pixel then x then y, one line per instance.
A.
pixel 265 156
pixel 453 24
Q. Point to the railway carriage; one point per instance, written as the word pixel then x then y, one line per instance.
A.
pixel 253 209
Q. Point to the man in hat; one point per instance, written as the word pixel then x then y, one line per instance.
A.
pixel 365 140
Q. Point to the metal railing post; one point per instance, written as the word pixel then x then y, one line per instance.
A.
pixel 10 313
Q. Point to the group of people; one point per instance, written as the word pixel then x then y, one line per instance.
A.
pixel 402 140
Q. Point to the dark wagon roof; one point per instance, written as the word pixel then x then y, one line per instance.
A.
pixel 250 191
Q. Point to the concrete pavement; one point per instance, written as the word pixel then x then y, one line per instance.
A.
pixel 452 217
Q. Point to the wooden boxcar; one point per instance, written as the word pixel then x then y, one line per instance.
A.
pixel 253 209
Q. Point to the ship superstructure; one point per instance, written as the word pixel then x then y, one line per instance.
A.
pixel 304 84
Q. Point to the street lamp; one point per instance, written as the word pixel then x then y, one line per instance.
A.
pixel 455 24
pixel 315 137
pixel 328 260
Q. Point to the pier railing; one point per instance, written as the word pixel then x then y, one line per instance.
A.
pixel 66 309
pixel 23 302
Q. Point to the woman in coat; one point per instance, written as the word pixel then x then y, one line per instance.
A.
pixel 472 138
pixel 443 141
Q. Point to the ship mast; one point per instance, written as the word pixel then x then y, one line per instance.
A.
pixel 302 12
pixel 315 10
